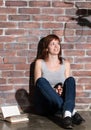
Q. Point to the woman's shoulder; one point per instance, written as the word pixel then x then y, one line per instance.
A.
pixel 38 61
pixel 66 62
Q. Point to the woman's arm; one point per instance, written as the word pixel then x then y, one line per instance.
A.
pixel 68 69
pixel 37 70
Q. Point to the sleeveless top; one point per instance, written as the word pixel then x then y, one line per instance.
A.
pixel 53 77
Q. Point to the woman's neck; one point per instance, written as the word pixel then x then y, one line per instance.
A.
pixel 52 59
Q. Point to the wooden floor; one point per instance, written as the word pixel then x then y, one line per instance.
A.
pixel 37 122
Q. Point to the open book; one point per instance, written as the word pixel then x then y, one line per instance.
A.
pixel 12 114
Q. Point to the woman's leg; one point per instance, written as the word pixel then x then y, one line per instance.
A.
pixel 69 94
pixel 47 101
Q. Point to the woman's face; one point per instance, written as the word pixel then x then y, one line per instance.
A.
pixel 54 47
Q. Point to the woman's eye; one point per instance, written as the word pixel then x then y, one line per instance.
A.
pixel 53 43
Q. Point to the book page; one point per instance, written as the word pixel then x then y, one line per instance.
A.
pixel 9 111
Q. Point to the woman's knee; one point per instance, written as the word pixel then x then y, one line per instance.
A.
pixel 70 80
pixel 70 83
pixel 40 80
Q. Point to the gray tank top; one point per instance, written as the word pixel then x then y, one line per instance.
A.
pixel 53 77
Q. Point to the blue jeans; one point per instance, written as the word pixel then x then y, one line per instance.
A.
pixel 47 101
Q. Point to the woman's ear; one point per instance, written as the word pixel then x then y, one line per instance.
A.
pixel 47 50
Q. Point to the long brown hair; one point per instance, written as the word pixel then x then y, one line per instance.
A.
pixel 43 45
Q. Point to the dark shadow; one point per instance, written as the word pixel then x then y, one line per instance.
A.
pixel 23 98
pixel 32 66
pixel 31 83
pixel 82 14
pixel 81 18
pixel 40 47
pixel 57 120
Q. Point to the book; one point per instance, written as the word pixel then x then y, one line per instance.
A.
pixel 13 115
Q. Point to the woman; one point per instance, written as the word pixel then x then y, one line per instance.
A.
pixel 55 87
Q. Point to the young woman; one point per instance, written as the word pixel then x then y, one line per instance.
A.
pixel 54 85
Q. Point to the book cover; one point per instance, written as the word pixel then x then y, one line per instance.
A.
pixel 13 115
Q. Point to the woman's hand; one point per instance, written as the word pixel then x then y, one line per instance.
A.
pixel 59 90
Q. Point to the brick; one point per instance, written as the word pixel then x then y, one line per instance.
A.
pixel 82 46
pixel 40 33
pixel 39 3
pixel 7 53
pixel 79 88
pixel 14 60
pixel 74 53
pixel 27 73
pixel 6 66
pixel 7 25
pixel 18 80
pixel 73 25
pixel 87 66
pixel 84 80
pixel 82 60
pixel 88 87
pixel 1 2
pixel 15 32
pixel 1 46
pixel 77 66
pixel 82 100
pixel 58 33
pixel 29 25
pixel 19 17
pixel 16 3
pixel 82 94
pixel 43 18
pixel 33 46
pixel 82 73
pixel 1 31
pixel 29 11
pixel 85 32
pixel 84 5
pixel 1 100
pixel 15 46
pixel 2 81
pixel 52 11
pixel 10 98
pixel 22 66
pixel 25 39
pixel 88 53
pixel 18 87
pixel 89 39
pixel 52 25
pixel 30 60
pixel 74 39
pixel 62 18
pixel 6 39
pixel 67 46
pixel 13 74
pixel 6 88
pixel 26 53
pixel 3 18
pixel 5 10
pixel 71 12
pixel 62 4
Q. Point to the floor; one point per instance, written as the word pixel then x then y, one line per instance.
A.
pixel 37 122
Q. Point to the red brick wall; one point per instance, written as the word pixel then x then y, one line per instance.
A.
pixel 24 22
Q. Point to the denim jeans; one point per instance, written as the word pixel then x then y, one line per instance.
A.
pixel 47 101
